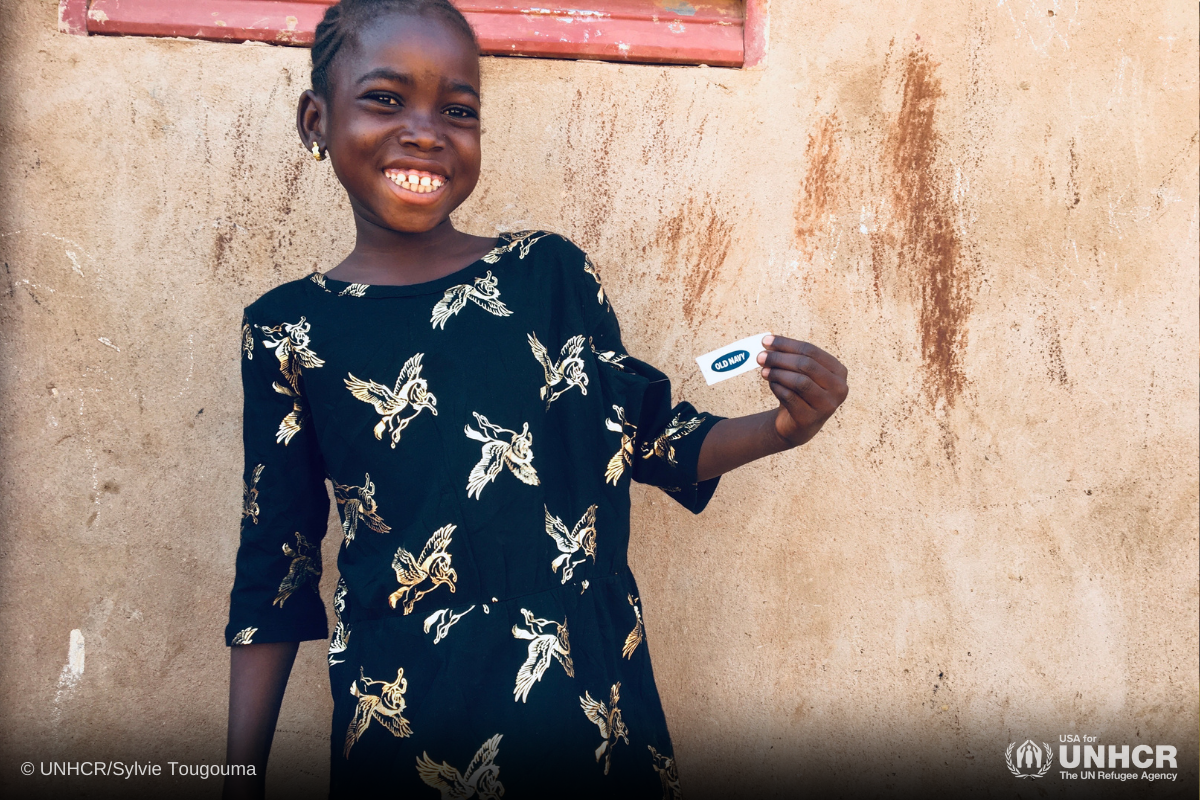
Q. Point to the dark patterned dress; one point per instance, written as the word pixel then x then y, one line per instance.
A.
pixel 480 432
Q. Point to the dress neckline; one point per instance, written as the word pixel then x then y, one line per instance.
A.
pixel 437 286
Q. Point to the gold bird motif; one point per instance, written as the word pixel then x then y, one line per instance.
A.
pixel 483 294
pixel 433 565
pixel 608 719
pixel 341 634
pixel 354 290
pixel 668 774
pixel 481 779
pixel 411 391
pixel 639 630
pixel 386 708
pixel 581 537
pixel 305 569
pixel 359 503
pixel 250 495
pixel 444 619
pixel 568 371
pixel 244 636
pixel 675 430
pixel 292 350
pixel 247 341
pixel 623 458
pixel 516 454
pixel 511 241
pixel 319 279
pixel 590 269
pixel 542 648
pixel 610 357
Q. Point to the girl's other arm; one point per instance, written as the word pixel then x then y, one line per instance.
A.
pixel 810 385
pixel 258 674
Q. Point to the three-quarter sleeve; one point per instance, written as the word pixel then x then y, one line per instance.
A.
pixel 660 443
pixel 284 502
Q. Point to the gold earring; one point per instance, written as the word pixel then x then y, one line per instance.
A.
pixel 316 151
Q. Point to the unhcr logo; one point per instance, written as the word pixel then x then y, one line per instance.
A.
pixel 1031 761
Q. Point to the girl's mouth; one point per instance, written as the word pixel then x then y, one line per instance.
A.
pixel 416 181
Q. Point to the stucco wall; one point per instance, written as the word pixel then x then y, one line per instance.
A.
pixel 987 211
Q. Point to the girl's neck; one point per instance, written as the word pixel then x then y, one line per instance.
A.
pixel 386 257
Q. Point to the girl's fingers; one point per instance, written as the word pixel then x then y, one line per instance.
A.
pixel 797 363
pixel 785 345
pixel 805 388
pixel 797 408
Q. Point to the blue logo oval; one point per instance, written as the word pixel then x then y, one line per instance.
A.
pixel 730 361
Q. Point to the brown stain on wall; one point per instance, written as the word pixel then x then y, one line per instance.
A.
pixel 587 168
pixel 930 253
pixel 820 183
pixel 695 242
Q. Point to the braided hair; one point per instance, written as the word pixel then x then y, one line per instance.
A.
pixel 345 19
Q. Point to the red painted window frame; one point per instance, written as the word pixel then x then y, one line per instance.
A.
pixel 637 31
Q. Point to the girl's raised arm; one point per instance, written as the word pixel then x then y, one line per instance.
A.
pixel 809 383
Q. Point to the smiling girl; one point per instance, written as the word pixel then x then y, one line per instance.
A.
pixel 471 402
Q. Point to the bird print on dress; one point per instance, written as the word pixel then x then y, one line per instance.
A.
pixel 359 504
pixel 608 720
pixel 668 773
pixel 481 778
pixel 610 357
pixel 386 708
pixel 244 636
pixel 444 619
pixel 250 495
pixel 623 458
pixel 663 446
pixel 639 629
pixel 512 241
pixel 305 569
pixel 516 453
pixel 483 294
pixel 543 647
pixel 351 290
pixel 411 392
pixel 247 340
pixel 580 538
pixel 292 350
pixel 341 634
pixel 590 269
pixel 432 567
pixel 563 375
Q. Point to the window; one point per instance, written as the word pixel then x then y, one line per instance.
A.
pixel 725 33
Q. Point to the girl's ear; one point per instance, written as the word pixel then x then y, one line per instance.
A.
pixel 310 120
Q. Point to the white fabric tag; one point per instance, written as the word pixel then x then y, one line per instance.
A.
pixel 732 359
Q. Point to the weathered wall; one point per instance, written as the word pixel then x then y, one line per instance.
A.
pixel 987 211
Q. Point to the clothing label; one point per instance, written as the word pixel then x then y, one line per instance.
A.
pixel 732 359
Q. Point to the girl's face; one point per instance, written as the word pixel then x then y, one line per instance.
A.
pixel 402 121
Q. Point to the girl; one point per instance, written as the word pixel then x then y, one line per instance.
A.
pixel 471 402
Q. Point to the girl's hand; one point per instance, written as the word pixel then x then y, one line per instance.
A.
pixel 809 383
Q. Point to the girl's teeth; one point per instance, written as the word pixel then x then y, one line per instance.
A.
pixel 416 183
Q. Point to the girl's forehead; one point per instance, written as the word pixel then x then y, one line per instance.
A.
pixel 418 46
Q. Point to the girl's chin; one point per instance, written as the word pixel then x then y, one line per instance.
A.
pixel 410 220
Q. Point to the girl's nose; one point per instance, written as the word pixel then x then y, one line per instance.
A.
pixel 421 132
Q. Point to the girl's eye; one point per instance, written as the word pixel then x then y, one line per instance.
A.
pixel 461 112
pixel 386 99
